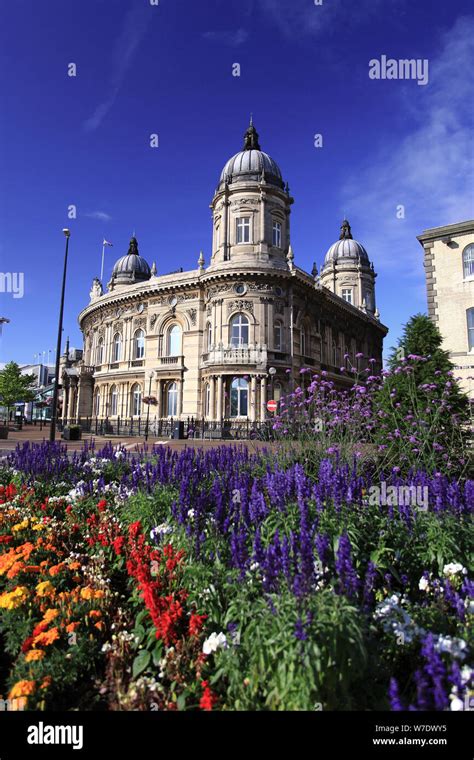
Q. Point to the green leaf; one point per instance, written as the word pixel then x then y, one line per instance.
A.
pixel 157 653
pixel 140 663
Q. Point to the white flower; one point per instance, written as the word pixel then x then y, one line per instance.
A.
pixel 424 584
pixel 452 645
pixel 160 531
pixel 456 704
pixel 214 642
pixel 453 568
pixel 254 566
pixel 191 513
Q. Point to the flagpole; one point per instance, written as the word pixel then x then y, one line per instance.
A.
pixel 102 265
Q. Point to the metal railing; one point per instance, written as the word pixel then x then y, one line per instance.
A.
pixel 191 427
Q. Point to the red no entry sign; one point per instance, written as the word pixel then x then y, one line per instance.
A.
pixel 272 406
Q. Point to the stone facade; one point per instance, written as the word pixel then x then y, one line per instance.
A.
pixel 201 343
pixel 449 271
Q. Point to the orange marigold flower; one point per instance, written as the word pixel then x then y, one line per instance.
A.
pixel 72 627
pixel 99 625
pixel 95 613
pixel 50 614
pixel 55 569
pixel 46 638
pixel 34 654
pixel 22 689
pixel 74 565
pixel 47 680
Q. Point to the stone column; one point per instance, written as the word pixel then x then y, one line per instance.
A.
pixel 212 397
pixel 263 398
pixel 219 398
pixel 179 383
pixel 65 402
pixel 158 398
pixel 70 401
pixel 253 398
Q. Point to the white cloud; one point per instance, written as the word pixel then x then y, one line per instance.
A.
pixel 134 26
pixel 430 171
pixel 100 215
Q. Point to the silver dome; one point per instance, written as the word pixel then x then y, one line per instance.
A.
pixel 251 163
pixel 131 267
pixel 346 248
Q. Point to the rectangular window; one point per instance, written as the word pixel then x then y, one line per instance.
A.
pixel 347 294
pixel 276 236
pixel 277 337
pixel 243 229
pixel 470 329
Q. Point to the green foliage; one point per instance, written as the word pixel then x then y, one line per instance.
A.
pixel 15 387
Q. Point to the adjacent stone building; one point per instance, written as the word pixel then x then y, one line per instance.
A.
pixel 449 269
pixel 219 341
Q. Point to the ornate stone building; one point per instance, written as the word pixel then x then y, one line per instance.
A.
pixel 220 340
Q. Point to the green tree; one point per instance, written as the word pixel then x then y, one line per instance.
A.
pixel 15 387
pixel 422 388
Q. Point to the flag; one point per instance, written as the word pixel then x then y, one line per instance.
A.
pixel 106 242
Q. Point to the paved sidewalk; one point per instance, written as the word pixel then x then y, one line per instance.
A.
pixel 35 435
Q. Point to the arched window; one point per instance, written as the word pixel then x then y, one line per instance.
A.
pixel 239 397
pixel 172 399
pixel 174 340
pixel 99 352
pixel 303 341
pixel 209 336
pixel 470 328
pixel 277 336
pixel 136 394
pixel 239 331
pixel 139 345
pixel 117 348
pixel 113 401
pixel 97 403
pixel 468 260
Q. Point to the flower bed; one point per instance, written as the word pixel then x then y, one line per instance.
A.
pixel 229 580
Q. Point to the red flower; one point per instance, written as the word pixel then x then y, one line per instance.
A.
pixel 195 624
pixel 69 509
pixel 118 543
pixel 208 699
pixel 102 505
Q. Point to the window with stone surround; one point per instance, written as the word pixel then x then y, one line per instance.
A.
pixel 239 331
pixel 470 328
pixel 276 234
pixel 243 229
pixel 468 261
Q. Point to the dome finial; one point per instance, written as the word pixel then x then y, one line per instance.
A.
pixel 251 137
pixel 133 248
pixel 346 233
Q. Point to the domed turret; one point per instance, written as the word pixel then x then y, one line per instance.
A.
pixel 130 268
pixel 251 209
pixel 251 164
pixel 347 271
pixel 346 247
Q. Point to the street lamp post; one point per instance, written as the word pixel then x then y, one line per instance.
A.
pixel 272 373
pixel 151 375
pixel 52 430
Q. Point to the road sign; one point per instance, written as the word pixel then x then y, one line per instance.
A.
pixel 272 406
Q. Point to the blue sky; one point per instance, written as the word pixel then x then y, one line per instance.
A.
pixel 167 69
